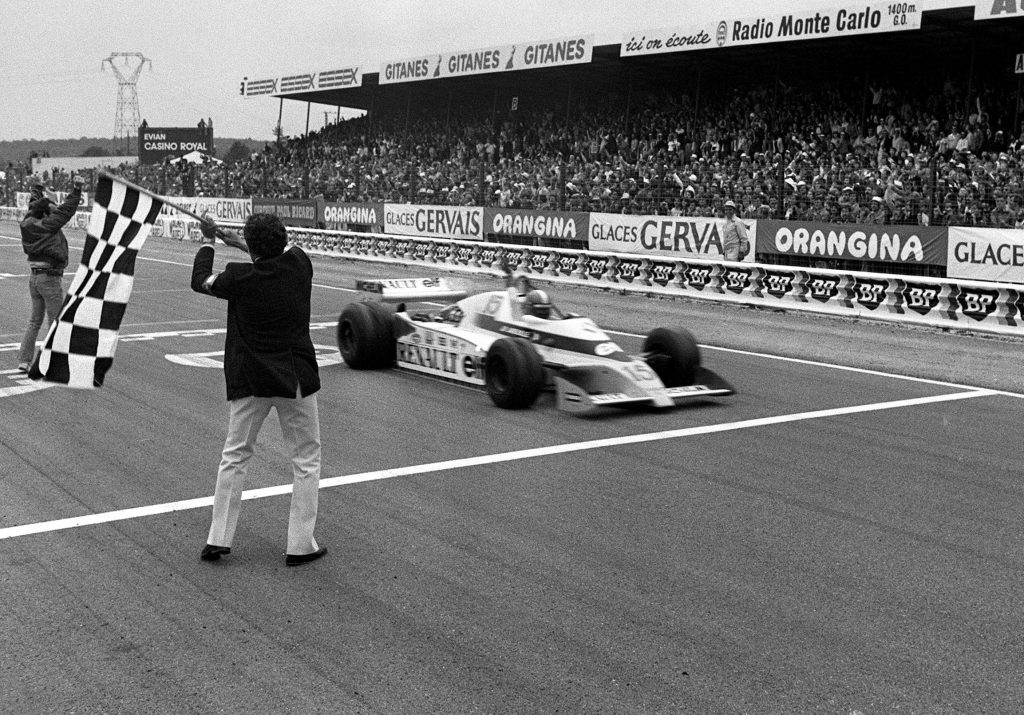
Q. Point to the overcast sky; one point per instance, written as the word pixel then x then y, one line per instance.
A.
pixel 52 85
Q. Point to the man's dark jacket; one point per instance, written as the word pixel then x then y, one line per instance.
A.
pixel 42 238
pixel 267 351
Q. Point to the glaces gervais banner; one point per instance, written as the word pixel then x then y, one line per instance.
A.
pixel 867 242
pixel 341 216
pixel 677 236
pixel 986 254
pixel 460 222
pixel 541 225
pixel 291 212
pixel 156 143
pixel 998 9
pixel 776 27
pixel 578 49
pixel 219 209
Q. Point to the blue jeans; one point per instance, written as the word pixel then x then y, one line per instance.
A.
pixel 47 294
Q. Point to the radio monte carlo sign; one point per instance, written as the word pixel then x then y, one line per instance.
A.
pixel 157 143
pixel 924 245
pixel 578 49
pixel 811 24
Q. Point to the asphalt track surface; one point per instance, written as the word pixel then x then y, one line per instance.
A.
pixel 844 535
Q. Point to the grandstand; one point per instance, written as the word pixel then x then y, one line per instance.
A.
pixel 920 127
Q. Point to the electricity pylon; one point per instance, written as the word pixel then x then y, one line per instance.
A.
pixel 126 122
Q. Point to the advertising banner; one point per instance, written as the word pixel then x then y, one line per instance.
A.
pixel 868 242
pixel 302 82
pixel 540 225
pixel 676 236
pixel 776 27
pixel 578 49
pixel 997 9
pixel 219 209
pixel 157 143
pixel 292 212
pixel 986 254
pixel 461 222
pixel 340 216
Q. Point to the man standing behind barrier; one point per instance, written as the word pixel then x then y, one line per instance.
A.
pixel 44 242
pixel 735 244
pixel 269 361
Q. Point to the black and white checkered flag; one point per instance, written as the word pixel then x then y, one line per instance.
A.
pixel 79 349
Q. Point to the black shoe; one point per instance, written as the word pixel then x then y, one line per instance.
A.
pixel 299 559
pixel 212 553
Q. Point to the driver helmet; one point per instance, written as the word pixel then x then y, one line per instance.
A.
pixel 538 304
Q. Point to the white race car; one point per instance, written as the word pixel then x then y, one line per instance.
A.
pixel 514 343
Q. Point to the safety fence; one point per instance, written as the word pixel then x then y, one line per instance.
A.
pixel 962 305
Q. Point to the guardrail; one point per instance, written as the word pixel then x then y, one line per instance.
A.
pixel 935 302
pixel 961 305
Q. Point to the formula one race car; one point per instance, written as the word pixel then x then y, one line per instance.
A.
pixel 515 343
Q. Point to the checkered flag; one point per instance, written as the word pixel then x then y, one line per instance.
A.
pixel 79 349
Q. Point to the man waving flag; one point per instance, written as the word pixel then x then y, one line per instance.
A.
pixel 79 349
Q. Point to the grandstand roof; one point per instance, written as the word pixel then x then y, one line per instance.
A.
pixel 950 41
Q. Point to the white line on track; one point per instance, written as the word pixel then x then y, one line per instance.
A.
pixel 834 366
pixel 452 464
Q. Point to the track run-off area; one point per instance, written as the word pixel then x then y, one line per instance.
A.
pixel 843 535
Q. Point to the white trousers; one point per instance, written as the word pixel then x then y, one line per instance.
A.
pixel 300 426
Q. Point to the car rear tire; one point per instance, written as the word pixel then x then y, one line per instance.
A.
pixel 673 355
pixel 366 336
pixel 514 373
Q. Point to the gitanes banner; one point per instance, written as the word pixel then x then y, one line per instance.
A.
pixel 578 49
pixel 677 236
pixel 461 222
pixel 986 254
pixel 291 212
pixel 776 27
pixel 339 216
pixel 219 209
pixel 868 242
pixel 997 9
pixel 540 225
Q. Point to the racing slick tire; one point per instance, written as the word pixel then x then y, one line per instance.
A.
pixel 366 336
pixel 673 355
pixel 514 373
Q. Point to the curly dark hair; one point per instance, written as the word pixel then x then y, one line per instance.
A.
pixel 265 235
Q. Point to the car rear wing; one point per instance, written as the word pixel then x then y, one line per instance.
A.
pixel 402 290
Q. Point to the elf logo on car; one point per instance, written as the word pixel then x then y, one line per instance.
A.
pixel 470 366
pixel 662 273
pixel 610 397
pixel 921 298
pixel 698 277
pixel 824 289
pixel 606 349
pixel 977 303
pixel 566 264
pixel 870 294
pixel 778 284
pixel 736 280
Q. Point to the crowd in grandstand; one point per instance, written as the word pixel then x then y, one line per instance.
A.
pixel 912 156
